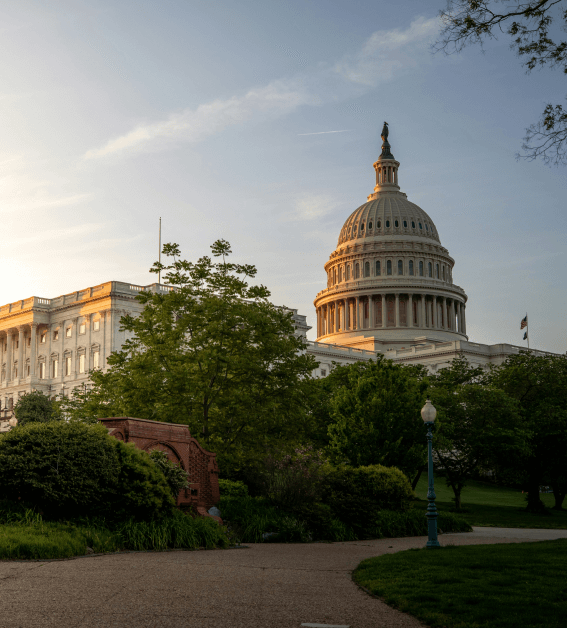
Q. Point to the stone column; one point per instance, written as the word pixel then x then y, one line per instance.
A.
pixel 434 312
pixel 444 322
pixel 410 310
pixel 383 310
pixel 21 374
pixel 452 314
pixel 357 317
pixel 88 357
pixel 104 318
pixel 422 311
pixel 33 349
pixel 9 359
pixel 464 319
pixel 397 310
pixel 371 315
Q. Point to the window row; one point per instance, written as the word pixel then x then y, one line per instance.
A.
pixel 377 268
pixel 377 226
pixel 55 371
pixel 69 331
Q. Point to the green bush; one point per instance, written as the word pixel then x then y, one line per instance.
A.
pixel 233 488
pixel 177 478
pixel 412 522
pixel 35 407
pixel 357 495
pixel 68 470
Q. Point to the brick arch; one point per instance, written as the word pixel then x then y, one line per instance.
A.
pixel 168 449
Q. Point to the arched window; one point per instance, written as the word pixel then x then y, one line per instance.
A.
pixel 387 223
pixel 362 227
pixel 340 274
pixel 396 224
pixel 429 269
pixel 367 269
pixel 421 269
pixel 335 275
pixel 412 224
pixel 420 226
pixel 443 270
pixel 405 224
pixel 378 225
pixel 411 267
pixel 426 227
pixel 400 267
pixel 378 268
pixel 436 271
pixel 357 271
pixel 389 267
pixel 347 273
pixel 370 225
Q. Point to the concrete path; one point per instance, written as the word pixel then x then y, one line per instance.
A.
pixel 264 586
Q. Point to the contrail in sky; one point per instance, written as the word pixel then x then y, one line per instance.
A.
pixel 323 132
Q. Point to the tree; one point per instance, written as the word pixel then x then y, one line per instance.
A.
pixel 528 23
pixel 211 352
pixel 375 415
pixel 35 407
pixel 539 384
pixel 477 425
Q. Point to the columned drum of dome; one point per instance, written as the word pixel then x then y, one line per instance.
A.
pixel 389 281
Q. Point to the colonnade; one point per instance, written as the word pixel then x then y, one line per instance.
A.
pixel 391 310
pixel 13 358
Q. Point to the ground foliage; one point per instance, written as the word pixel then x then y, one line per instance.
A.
pixel 533 27
pixel 213 353
pixel 496 586
pixel 35 407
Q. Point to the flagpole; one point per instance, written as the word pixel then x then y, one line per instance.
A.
pixel 159 254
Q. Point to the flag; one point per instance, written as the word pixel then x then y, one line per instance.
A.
pixel 525 336
pixel 524 322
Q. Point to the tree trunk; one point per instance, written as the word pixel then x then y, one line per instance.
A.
pixel 559 495
pixel 416 479
pixel 457 492
pixel 535 504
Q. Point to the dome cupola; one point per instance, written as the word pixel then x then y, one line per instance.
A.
pixel 389 281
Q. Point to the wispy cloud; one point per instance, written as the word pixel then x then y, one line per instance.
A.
pixel 325 132
pixel 387 52
pixel 383 55
pixel 311 207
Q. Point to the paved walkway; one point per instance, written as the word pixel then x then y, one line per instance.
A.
pixel 264 586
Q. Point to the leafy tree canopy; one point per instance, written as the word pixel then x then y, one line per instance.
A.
pixel 529 23
pixel 213 353
pixel 35 407
pixel 477 427
pixel 539 384
pixel 375 415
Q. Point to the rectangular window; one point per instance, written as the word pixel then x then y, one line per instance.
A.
pixel 68 332
pixel 43 338
pixel 378 269
pixel 42 370
pixel 56 335
pixel 96 325
pixel 323 372
pixel 55 368
pixel 400 267
pixel 67 366
pixel 82 363
pixel 27 370
pixel 96 359
pixel 82 328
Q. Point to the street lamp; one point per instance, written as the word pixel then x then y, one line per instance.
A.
pixel 428 414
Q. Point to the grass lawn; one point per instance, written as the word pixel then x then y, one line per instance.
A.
pixel 491 586
pixel 487 505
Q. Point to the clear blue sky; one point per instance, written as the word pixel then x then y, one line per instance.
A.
pixel 217 117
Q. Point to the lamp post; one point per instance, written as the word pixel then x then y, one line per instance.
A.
pixel 428 414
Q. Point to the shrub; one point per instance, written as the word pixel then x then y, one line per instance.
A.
pixel 357 495
pixel 176 477
pixel 412 522
pixel 293 480
pixel 233 488
pixel 68 470
pixel 141 490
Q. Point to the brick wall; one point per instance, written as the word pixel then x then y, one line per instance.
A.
pixel 180 447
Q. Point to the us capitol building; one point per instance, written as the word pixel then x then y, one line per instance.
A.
pixel 389 290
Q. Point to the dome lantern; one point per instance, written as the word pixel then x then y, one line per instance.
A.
pixel 386 168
